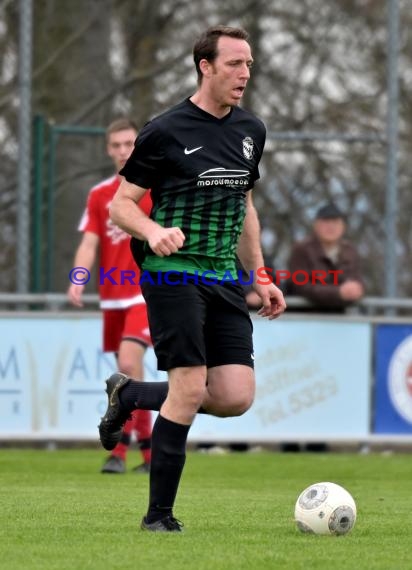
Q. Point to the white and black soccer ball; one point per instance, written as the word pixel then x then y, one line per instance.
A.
pixel 325 508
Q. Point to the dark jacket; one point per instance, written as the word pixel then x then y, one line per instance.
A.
pixel 307 256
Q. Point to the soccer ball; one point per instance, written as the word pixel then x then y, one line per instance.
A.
pixel 325 508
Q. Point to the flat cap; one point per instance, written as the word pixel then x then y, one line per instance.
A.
pixel 329 212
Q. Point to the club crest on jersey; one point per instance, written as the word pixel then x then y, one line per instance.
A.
pixel 247 145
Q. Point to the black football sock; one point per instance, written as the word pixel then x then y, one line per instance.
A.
pixel 145 396
pixel 168 460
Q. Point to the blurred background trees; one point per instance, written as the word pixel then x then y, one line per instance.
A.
pixel 319 67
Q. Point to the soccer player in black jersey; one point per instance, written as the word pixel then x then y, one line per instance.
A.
pixel 200 159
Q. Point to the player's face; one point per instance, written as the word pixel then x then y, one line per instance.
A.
pixel 230 71
pixel 120 145
pixel 329 231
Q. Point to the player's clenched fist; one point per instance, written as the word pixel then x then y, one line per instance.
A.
pixel 165 241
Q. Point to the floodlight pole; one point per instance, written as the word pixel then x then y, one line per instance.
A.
pixel 391 202
pixel 24 136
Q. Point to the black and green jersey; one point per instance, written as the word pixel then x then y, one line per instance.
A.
pixel 199 169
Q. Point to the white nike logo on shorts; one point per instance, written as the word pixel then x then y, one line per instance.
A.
pixel 187 151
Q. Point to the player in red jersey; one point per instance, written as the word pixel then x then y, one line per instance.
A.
pixel 125 324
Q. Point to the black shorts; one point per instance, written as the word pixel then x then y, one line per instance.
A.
pixel 197 324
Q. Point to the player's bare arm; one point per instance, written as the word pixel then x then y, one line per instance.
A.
pixel 85 257
pixel 125 214
pixel 250 255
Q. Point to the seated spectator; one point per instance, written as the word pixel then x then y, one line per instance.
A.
pixel 338 282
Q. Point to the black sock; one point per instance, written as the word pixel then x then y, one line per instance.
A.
pixel 144 443
pixel 125 439
pixel 168 459
pixel 145 396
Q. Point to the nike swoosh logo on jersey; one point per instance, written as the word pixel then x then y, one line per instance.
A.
pixel 187 151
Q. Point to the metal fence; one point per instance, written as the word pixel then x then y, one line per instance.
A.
pixel 390 306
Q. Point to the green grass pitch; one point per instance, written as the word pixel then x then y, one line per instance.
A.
pixel 58 512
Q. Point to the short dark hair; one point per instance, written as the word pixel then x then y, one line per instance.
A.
pixel 122 124
pixel 206 45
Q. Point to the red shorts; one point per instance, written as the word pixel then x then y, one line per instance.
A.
pixel 122 324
